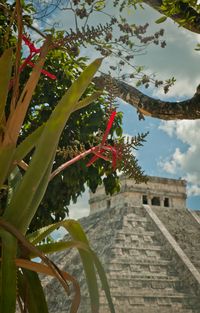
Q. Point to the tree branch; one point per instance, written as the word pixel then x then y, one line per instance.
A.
pixel 186 12
pixel 147 106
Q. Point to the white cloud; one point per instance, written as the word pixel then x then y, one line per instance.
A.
pixel 185 160
pixel 193 190
pixel 169 166
pixel 183 88
pixel 81 207
pixel 76 210
pixel 168 127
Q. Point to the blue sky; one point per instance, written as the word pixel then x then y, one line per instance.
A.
pixel 158 148
pixel 172 148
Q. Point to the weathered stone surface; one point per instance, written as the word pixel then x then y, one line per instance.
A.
pixel 163 188
pixel 145 273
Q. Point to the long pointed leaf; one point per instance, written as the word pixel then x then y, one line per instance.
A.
pixel 16 119
pixel 28 144
pixel 5 76
pixel 6 159
pixel 31 292
pixel 13 181
pixel 45 149
pixel 8 273
pixel 41 268
pixel 38 195
pixel 104 281
pixel 83 103
pixel 60 246
pixel 28 246
pixel 42 233
pixel 77 233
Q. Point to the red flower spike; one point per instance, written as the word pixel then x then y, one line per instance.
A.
pixel 103 148
pixel 114 155
pixel 33 52
pixel 43 71
pixel 109 125
pixel 98 154
pixel 31 46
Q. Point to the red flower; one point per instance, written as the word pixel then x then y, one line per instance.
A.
pixel 103 148
pixel 33 52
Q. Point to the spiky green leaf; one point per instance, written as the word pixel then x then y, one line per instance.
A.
pixel 45 150
pixel 31 292
pixel 5 77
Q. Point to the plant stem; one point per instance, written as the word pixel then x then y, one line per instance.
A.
pixel 72 161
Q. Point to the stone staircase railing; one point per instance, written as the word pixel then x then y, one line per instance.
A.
pixel 188 272
pixel 195 215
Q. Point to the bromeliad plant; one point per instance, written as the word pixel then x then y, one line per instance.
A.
pixel 18 273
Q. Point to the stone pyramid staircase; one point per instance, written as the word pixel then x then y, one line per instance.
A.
pixel 184 226
pixel 140 263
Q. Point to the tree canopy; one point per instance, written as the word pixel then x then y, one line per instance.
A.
pixel 132 40
pixel 83 130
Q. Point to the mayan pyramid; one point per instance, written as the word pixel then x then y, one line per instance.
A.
pixel 149 244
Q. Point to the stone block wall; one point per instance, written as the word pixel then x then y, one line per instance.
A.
pixel 159 192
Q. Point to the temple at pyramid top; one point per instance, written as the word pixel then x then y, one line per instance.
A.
pixel 158 191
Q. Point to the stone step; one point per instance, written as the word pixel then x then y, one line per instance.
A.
pixel 146 283
pixel 138 232
pixel 132 292
pixel 149 309
pixel 127 275
pixel 135 276
pixel 138 261
pixel 130 246
pixel 134 218
pixel 134 237
pixel 146 269
pixel 142 305
pixel 150 303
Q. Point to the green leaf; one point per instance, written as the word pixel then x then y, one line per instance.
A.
pixel 53 247
pixel 31 292
pixel 6 158
pixel 83 103
pixel 104 281
pixel 62 245
pixel 87 255
pixel 119 131
pixel 28 144
pixel 16 119
pixel 161 19
pixel 49 268
pixel 77 233
pixel 45 150
pixel 39 192
pixel 8 279
pixel 99 5
pixel 13 181
pixel 5 70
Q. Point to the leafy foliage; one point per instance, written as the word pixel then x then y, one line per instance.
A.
pixel 184 12
pixel 79 134
pixel 31 128
pixel 26 191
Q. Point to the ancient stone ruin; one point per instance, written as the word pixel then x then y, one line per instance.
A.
pixel 149 244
